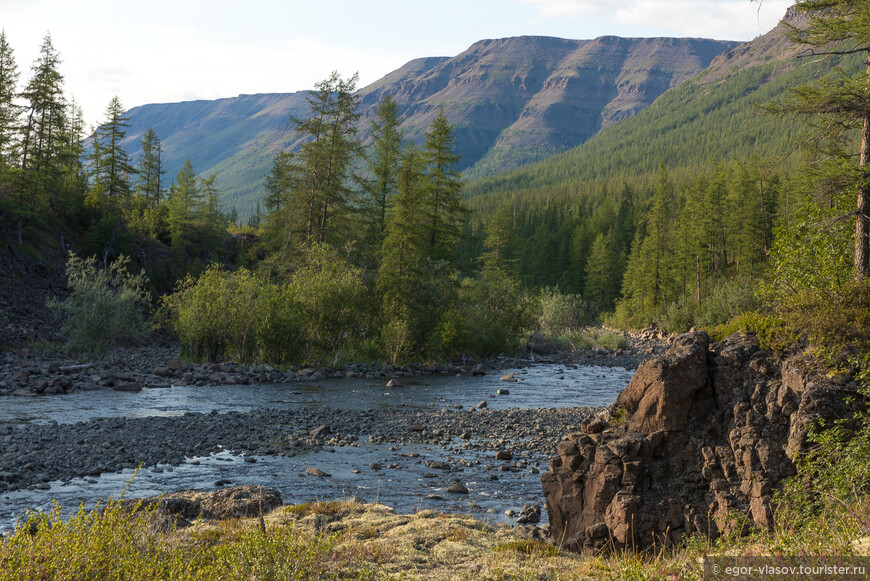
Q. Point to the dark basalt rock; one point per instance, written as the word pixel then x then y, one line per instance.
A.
pixel 705 431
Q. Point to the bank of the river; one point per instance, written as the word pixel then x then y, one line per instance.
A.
pixel 36 372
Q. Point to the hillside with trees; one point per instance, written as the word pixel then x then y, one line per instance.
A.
pixel 512 101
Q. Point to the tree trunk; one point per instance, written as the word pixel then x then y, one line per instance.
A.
pixel 862 210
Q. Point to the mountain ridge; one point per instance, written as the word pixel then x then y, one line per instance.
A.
pixel 714 116
pixel 512 100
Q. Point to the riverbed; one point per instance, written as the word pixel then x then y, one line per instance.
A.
pixel 403 446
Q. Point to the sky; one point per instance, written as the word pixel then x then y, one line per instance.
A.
pixel 160 51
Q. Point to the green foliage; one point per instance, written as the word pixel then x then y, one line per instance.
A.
pixel 838 324
pixel 829 495
pixel 119 542
pixel 110 168
pixel 105 307
pixel 237 315
pixel 334 298
pixel 772 332
pixel 491 314
pixel 726 299
pixel 561 313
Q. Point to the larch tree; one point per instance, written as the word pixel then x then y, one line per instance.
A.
pixel 184 199
pixel 326 158
pixel 150 184
pixel 383 165
pixel 43 134
pixel 442 206
pixel 838 28
pixel 110 166
pixel 10 111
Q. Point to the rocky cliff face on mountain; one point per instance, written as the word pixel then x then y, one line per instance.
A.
pixel 512 101
pixel 704 432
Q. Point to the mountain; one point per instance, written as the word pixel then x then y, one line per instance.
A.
pixel 714 116
pixel 513 101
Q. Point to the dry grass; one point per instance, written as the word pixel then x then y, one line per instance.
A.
pixel 341 540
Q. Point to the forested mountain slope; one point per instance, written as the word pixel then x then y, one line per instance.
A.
pixel 512 101
pixel 715 116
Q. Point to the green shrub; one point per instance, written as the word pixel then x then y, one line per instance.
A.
pixel 237 315
pixel 105 308
pixel 560 313
pixel 396 340
pixel 281 329
pixel 772 332
pixel 592 338
pixel 724 300
pixel 115 543
pixel 334 297
pixel 829 495
pixel 490 315
pixel 837 323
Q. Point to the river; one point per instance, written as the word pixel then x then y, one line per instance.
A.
pixel 393 473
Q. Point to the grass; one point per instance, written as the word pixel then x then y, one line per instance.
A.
pixel 351 540
pixel 591 338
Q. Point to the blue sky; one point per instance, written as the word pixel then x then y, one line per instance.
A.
pixel 165 51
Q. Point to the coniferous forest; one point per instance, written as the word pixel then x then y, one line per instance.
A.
pixel 378 249
pixel 718 240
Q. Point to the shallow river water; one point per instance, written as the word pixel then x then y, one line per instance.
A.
pixel 403 482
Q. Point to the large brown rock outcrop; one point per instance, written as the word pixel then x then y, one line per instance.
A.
pixel 705 432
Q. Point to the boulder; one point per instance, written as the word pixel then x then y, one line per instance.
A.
pixel 319 431
pixel 162 372
pixel 701 432
pixel 317 472
pixel 128 386
pixel 457 488
pixel 177 509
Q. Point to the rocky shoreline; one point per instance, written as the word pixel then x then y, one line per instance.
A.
pixel 35 454
pixel 35 372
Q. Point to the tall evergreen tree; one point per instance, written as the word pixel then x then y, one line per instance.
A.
pixel 150 184
pixel 10 111
pixel 442 205
pixel 499 232
pixel 184 199
pixel 648 283
pixel 279 182
pixel 405 267
pixel 110 166
pixel 326 159
pixel 383 164
pixel 841 27
pixel 43 134
pixel 75 179
pixel 603 272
